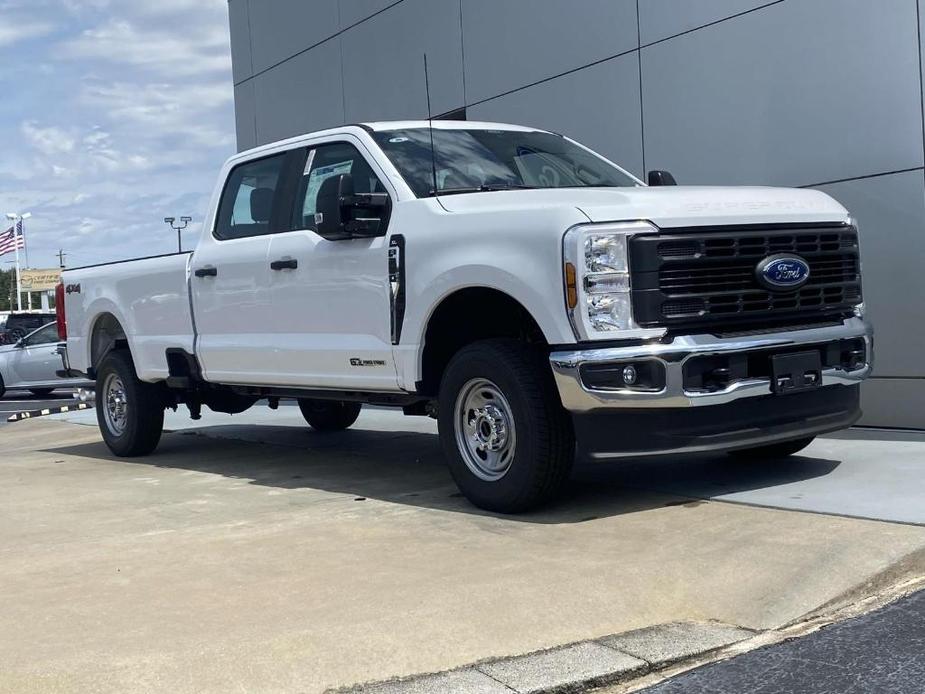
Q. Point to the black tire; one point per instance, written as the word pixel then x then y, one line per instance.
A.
pixel 41 392
pixel 143 414
pixel 774 450
pixel 542 444
pixel 2 387
pixel 329 415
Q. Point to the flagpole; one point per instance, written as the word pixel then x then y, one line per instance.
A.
pixel 18 279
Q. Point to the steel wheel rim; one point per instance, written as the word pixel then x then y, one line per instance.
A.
pixel 115 404
pixel 485 434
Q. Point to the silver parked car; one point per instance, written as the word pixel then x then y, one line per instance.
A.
pixel 30 364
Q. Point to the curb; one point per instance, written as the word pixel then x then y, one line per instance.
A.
pixel 575 667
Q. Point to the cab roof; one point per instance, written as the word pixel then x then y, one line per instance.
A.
pixel 379 126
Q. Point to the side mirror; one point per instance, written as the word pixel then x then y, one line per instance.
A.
pixel 343 214
pixel 661 178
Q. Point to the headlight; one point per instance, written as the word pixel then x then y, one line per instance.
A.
pixel 597 280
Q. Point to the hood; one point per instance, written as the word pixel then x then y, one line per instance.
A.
pixel 668 206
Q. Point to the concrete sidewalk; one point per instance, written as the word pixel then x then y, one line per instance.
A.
pixel 223 565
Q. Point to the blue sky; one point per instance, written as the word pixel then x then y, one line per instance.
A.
pixel 113 115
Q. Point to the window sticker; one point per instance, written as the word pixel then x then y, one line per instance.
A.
pixel 316 178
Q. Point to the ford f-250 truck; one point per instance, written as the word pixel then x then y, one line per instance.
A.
pixel 523 290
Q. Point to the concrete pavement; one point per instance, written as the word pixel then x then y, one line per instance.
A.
pixel 311 561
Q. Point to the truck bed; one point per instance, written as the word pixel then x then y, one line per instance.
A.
pixel 149 298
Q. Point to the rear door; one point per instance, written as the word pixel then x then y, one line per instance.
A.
pixel 230 276
pixel 331 298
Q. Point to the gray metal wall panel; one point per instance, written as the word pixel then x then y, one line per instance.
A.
pixel 798 93
pixel 241 65
pixel 245 115
pixel 384 62
pixel 353 11
pixel 303 94
pixel 891 213
pixel 511 43
pixel 920 6
pixel 282 28
pixel 659 19
pixel 893 402
pixel 612 126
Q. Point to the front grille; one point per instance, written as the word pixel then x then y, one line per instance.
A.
pixel 707 276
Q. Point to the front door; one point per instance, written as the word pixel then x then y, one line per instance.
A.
pixel 331 308
pixel 230 278
pixel 36 359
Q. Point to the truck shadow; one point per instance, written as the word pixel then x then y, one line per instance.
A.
pixel 407 467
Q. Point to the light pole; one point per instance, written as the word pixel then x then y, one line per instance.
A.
pixel 17 218
pixel 178 228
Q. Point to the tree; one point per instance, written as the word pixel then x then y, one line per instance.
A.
pixel 7 290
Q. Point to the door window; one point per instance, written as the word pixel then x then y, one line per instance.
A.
pixel 45 336
pixel 247 202
pixel 324 162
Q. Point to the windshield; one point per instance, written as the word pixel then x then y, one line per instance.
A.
pixel 484 160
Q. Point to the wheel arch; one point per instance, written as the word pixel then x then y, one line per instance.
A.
pixel 106 334
pixel 466 315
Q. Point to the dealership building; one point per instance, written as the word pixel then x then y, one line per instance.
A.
pixel 811 93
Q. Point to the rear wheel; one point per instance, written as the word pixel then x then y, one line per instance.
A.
pixel 774 450
pixel 2 387
pixel 508 442
pixel 130 412
pixel 41 392
pixel 329 415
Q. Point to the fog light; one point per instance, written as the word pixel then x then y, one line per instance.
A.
pixel 629 375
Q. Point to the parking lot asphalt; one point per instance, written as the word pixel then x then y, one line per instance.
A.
pixel 248 558
pixel 19 401
pixel 879 652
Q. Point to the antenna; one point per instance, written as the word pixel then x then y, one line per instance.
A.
pixel 430 126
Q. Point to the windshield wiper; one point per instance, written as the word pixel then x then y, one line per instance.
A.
pixel 484 188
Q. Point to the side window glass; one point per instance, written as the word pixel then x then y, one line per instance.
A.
pixel 247 202
pixel 45 336
pixel 324 162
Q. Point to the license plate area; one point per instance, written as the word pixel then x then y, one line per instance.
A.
pixel 794 373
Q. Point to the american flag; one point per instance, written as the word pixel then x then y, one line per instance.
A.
pixel 11 239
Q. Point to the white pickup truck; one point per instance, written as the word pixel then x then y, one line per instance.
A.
pixel 526 292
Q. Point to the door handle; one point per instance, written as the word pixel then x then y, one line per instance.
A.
pixel 284 264
pixel 206 271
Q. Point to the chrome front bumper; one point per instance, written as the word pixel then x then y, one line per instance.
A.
pixel 578 398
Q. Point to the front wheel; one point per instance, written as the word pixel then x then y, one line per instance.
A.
pixel 130 412
pixel 774 450
pixel 508 442
pixel 329 415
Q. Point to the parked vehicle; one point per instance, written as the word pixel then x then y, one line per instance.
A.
pixel 509 282
pixel 18 325
pixel 32 362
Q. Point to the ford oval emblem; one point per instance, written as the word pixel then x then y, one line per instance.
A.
pixel 782 272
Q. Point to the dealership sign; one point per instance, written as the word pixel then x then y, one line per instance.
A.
pixel 40 280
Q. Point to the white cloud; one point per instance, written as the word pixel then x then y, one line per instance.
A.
pixel 12 31
pixel 51 140
pixel 162 110
pixel 161 52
